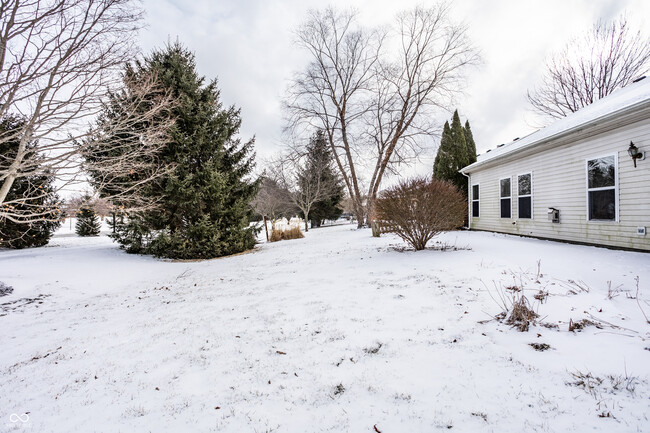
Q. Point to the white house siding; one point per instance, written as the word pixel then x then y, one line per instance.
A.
pixel 559 180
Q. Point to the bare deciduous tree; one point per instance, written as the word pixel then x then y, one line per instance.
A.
pixel 373 92
pixel 590 67
pixel 419 209
pixel 273 201
pixel 58 61
pixel 303 180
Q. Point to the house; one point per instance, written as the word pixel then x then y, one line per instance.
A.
pixel 574 180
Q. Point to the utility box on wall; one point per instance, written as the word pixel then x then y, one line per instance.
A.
pixel 554 215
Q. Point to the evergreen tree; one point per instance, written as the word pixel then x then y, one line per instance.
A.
pixel 471 145
pixel 204 203
pixel 320 165
pixel 47 203
pixel 455 152
pixel 88 223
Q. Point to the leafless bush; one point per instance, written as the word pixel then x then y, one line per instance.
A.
pixel 419 209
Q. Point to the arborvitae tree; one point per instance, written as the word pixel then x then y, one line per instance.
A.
pixel 320 163
pixel 88 223
pixel 454 153
pixel 45 206
pixel 203 205
pixel 471 145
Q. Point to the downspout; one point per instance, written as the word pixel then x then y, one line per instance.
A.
pixel 469 199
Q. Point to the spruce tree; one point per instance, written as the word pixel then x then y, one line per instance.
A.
pixel 88 223
pixel 47 204
pixel 204 203
pixel 320 163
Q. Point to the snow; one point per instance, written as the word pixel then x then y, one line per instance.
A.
pixel 335 332
pixel 628 97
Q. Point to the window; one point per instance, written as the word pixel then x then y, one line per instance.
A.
pixel 475 201
pixel 505 191
pixel 525 195
pixel 601 188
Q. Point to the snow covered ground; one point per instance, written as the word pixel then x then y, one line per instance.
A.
pixel 336 332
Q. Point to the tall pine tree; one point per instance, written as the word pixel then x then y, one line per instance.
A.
pixel 457 150
pixel 45 207
pixel 204 204
pixel 471 145
pixel 320 163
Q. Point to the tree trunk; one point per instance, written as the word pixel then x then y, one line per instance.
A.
pixel 266 229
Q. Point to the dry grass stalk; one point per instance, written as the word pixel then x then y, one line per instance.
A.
pixel 283 235
pixel 521 314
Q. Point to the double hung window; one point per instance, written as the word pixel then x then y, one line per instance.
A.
pixel 525 195
pixel 505 195
pixel 601 188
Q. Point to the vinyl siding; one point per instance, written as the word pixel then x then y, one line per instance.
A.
pixel 559 181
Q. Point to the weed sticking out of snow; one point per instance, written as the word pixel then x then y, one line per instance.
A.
pixel 575 287
pixel 541 296
pixel 373 350
pixel 339 389
pixel 481 415
pixel 5 289
pixel 608 385
pixel 517 311
pixel 521 315
pixel 638 301
pixel 582 324
pixel 540 347
pixel 613 292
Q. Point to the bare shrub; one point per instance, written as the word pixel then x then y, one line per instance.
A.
pixel 283 235
pixel 418 209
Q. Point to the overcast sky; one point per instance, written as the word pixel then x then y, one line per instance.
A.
pixel 248 46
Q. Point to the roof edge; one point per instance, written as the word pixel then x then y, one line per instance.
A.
pixel 609 116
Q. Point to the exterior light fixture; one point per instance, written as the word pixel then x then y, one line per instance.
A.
pixel 635 153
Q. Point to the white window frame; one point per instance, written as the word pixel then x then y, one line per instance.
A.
pixel 504 198
pixel 587 189
pixel 472 200
pixel 532 191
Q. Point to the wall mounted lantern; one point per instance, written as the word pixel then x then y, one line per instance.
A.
pixel 635 153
